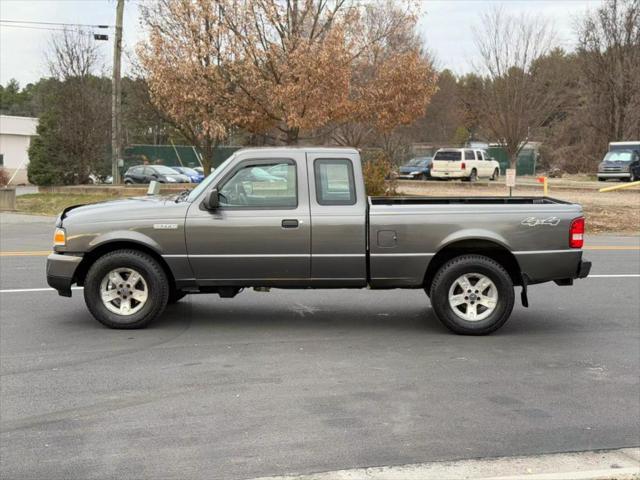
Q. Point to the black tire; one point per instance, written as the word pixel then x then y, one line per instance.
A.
pixel 469 264
pixel 473 177
pixel 600 179
pixel 175 296
pixel 128 182
pixel 424 176
pixel 152 273
pixel 496 175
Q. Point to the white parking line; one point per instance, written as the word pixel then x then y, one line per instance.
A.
pixel 622 275
pixel 31 290
pixel 26 290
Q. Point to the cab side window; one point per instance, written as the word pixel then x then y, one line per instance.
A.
pixel 335 184
pixel 261 185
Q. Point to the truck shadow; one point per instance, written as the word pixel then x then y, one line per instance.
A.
pixel 227 315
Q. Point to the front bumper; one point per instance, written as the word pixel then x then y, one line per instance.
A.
pixel 60 272
pixel 614 175
pixel 408 176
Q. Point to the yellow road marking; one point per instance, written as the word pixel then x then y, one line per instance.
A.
pixel 612 247
pixel 35 253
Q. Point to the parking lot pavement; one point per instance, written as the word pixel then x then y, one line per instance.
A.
pixel 306 381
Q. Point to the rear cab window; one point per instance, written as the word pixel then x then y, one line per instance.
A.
pixel 335 184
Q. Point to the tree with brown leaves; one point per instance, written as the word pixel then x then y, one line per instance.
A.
pixel 289 67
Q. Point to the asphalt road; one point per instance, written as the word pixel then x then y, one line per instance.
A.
pixel 305 381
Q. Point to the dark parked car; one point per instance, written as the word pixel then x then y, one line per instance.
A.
pixel 621 162
pixel 416 169
pixel 159 173
pixel 194 175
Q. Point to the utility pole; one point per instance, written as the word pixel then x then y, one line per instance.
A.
pixel 116 96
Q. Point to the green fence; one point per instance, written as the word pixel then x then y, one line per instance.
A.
pixel 170 155
pixel 526 164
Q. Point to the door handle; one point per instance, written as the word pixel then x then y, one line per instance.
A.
pixel 290 223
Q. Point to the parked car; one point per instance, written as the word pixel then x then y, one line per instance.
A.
pixel 464 163
pixel 194 175
pixel 159 173
pixel 416 169
pixel 621 162
pixel 315 228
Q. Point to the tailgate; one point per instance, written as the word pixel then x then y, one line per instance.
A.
pixel 447 161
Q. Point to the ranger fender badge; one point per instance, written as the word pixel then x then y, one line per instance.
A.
pixel 165 226
pixel 534 222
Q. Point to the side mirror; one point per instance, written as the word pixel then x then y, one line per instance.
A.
pixel 212 201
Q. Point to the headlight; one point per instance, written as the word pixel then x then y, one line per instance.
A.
pixel 59 237
pixel 171 179
pixel 415 173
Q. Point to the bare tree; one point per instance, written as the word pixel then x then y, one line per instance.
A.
pixel 73 54
pixel 516 96
pixel 609 54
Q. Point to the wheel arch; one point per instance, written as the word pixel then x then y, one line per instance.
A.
pixel 103 248
pixel 490 248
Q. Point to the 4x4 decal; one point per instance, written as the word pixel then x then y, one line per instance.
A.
pixel 534 222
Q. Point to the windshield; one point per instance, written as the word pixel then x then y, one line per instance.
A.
pixel 448 155
pixel 416 162
pixel 619 156
pixel 162 170
pixel 204 185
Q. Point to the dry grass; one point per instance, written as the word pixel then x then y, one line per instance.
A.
pixel 610 212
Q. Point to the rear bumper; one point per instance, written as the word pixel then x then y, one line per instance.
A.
pixel 438 174
pixel 60 272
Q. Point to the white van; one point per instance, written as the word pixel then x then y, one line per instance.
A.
pixel 465 163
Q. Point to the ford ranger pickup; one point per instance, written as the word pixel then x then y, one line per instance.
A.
pixel 300 218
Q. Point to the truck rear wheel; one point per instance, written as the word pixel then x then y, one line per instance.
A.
pixel 472 295
pixel 126 289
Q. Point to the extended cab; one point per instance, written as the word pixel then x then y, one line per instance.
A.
pixel 464 163
pixel 300 218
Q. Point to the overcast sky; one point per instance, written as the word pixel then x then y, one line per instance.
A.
pixel 447 26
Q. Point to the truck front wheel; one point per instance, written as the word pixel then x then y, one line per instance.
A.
pixel 126 289
pixel 472 295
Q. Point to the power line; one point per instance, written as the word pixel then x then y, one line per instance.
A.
pixel 57 23
pixel 30 27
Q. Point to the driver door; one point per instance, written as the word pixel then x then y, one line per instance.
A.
pixel 261 232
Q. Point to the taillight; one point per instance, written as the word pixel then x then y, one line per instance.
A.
pixel 576 233
pixel 463 166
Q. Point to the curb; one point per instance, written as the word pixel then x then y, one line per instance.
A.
pixel 622 464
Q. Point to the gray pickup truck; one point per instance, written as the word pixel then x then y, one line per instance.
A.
pixel 300 218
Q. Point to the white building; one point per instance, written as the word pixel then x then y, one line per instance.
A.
pixel 15 137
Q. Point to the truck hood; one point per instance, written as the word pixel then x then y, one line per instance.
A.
pixel 137 208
